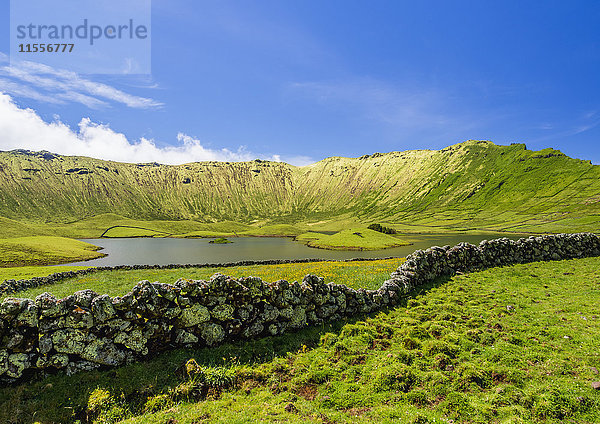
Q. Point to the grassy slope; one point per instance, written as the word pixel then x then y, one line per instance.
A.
pixel 352 239
pixel 357 274
pixel 456 351
pixel 468 185
pixel 41 250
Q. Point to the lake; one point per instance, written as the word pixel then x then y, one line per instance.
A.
pixel 163 251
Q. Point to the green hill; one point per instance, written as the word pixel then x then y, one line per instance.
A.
pixel 471 185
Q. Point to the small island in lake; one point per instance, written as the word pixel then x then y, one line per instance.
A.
pixel 220 240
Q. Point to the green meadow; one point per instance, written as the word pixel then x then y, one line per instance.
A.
pixel 356 274
pixel 511 344
pixel 44 250
pixel 352 239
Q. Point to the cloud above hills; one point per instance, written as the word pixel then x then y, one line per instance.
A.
pixel 23 128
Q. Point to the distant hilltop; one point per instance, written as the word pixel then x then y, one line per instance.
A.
pixel 471 182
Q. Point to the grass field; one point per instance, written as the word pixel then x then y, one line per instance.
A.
pixel 512 344
pixel 352 239
pixel 357 274
pixel 27 272
pixel 40 250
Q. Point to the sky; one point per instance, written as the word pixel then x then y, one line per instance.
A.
pixel 299 81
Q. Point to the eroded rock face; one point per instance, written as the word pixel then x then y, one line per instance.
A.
pixel 86 331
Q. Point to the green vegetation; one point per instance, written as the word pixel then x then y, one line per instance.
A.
pixel 471 185
pixel 27 272
pixel 220 240
pixel 357 274
pixel 40 250
pixel 380 228
pixel 512 344
pixel 275 230
pixel 352 239
pixel 120 231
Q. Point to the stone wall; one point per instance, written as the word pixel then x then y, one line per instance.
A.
pixel 85 331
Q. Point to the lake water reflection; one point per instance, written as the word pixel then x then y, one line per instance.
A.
pixel 163 251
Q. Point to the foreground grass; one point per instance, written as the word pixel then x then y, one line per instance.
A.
pixel 513 344
pixel 352 239
pixel 357 274
pixel 42 250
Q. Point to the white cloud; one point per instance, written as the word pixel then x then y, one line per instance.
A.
pixel 47 84
pixel 24 129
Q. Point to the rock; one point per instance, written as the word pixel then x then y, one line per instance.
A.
pixel 80 318
pixel 596 385
pixel 3 361
pixel 69 341
pixel 84 298
pixel 103 351
pixel 183 337
pixel 222 312
pixel 17 363
pixel 298 318
pixel 102 308
pixel 286 313
pixel 270 313
pixel 118 324
pixel 273 329
pixel 57 361
pixel 78 366
pixel 45 344
pixel 194 315
pixel 212 333
pixel 11 307
pixel 133 340
pixel 254 330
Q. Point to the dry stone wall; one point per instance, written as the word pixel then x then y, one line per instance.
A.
pixel 85 331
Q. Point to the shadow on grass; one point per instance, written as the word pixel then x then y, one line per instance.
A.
pixel 62 398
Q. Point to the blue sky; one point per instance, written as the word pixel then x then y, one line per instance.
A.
pixel 304 80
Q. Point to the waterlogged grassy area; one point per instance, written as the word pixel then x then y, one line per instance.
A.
pixel 512 344
pixel 40 250
pixel 357 274
pixel 352 239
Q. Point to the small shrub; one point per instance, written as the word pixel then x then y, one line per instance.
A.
pixel 417 398
pixel 99 399
pixel 420 419
pixel 158 403
pixel 433 347
pixel 411 344
pixel 441 361
pixel 396 377
pixel 456 405
pixel 328 339
pixel 380 228
pixel 103 408
pixel 470 376
pixel 216 377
